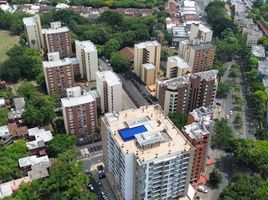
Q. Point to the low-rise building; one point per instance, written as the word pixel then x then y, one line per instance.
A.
pixel 263 68
pixel 179 33
pixel 15 113
pixel 35 167
pixel 258 51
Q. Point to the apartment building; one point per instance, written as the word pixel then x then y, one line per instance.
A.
pixel 144 53
pixel 58 74
pixel 145 155
pixel 58 39
pixel 201 57
pixel 86 53
pixel 33 32
pixel 185 93
pixel 198 132
pixel 109 86
pixel 79 112
pixel 176 67
pixel 200 34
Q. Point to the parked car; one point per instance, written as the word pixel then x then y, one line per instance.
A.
pixel 202 189
pixel 90 187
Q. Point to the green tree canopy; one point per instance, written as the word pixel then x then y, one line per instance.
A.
pixel 119 63
pixel 215 178
pixel 9 156
pixel 179 119
pixel 59 144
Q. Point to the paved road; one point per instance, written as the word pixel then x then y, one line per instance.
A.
pixel 127 102
pixel 132 91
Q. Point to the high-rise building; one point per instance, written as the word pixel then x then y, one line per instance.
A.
pixel 198 51
pixel 183 94
pixel 58 39
pixel 79 112
pixel 58 74
pixel 145 155
pixel 144 53
pixel 109 86
pixel 33 32
pixel 86 53
pixel 176 67
pixel 201 57
pixel 198 132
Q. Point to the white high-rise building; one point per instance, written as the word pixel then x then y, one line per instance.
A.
pixel 33 32
pixel 145 155
pixel 109 86
pixel 86 53
pixel 145 53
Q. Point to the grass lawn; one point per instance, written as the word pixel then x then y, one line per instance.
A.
pixel 6 42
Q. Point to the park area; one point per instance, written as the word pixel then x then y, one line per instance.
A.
pixel 7 41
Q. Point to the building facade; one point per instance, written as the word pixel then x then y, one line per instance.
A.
pixel 58 39
pixel 79 112
pixel 184 94
pixel 109 87
pixel 177 67
pixel 86 53
pixel 198 132
pixel 144 53
pixel 33 32
pixel 58 74
pixel 145 156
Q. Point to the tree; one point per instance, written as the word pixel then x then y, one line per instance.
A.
pixel 262 134
pixel 245 187
pixel 119 63
pixel 59 144
pixel 215 178
pixel 179 119
pixel 39 109
pixel 222 137
pixel 111 46
pixel 3 116
pixel 223 89
pixel 9 156
pixel 114 18
pixel 66 181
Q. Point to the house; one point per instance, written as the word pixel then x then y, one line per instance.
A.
pixel 15 114
pixel 258 51
pixel 128 53
pixel 7 189
pixel 35 167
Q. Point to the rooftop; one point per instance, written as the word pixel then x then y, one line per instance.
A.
pixel 258 51
pixel 110 77
pixel 174 83
pixel 148 66
pixel 4 131
pixel 29 21
pixel 75 101
pixel 87 45
pixel 147 44
pixel 53 31
pixel 127 53
pixel 33 160
pixel 6 189
pixel 179 61
pixel 263 67
pixel 201 112
pixel 198 130
pixel 56 63
pixel 146 132
pixel 203 46
pixel 40 134
pixel 19 104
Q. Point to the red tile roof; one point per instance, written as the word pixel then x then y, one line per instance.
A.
pixel 127 52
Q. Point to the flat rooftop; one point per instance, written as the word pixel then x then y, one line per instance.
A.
pixel 110 77
pixel 148 125
pixel 179 61
pixel 147 44
pixel 56 63
pixel 53 31
pixel 174 83
pixel 29 21
pixel 203 46
pixel 75 101
pixel 32 160
pixel 197 130
pixel 148 66
pixel 87 45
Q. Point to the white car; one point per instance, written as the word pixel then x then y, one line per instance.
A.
pixel 202 189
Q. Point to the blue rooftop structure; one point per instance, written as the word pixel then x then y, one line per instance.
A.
pixel 128 134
